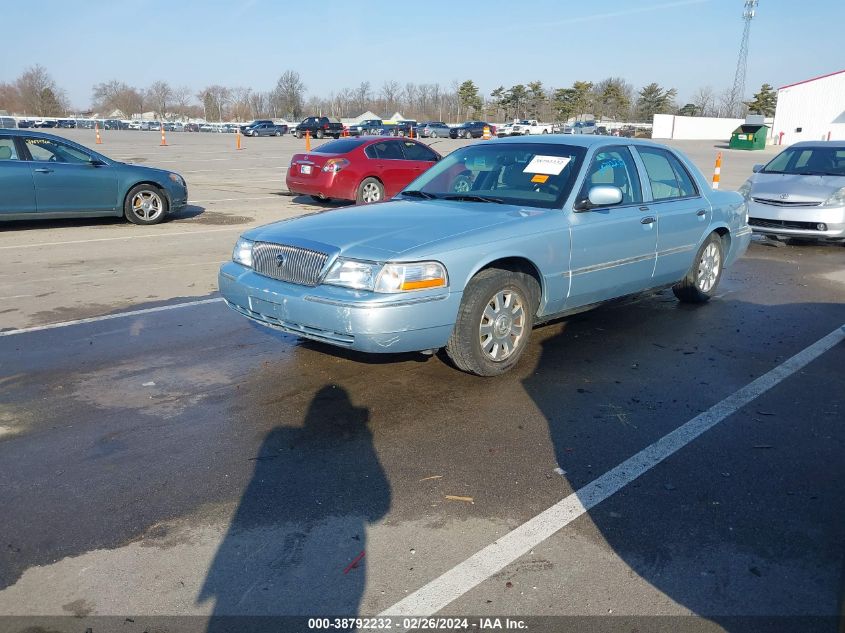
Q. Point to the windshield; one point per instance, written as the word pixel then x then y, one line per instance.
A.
pixel 525 174
pixel 811 161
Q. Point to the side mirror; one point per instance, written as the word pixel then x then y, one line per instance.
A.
pixel 600 196
pixel 758 167
pixel 96 162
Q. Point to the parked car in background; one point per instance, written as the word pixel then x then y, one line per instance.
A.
pixel 364 169
pixel 627 131
pixel 364 127
pixel 432 129
pixel 601 130
pixel 550 227
pixel 526 127
pixel 7 122
pixel 26 123
pixel 66 124
pixel 246 126
pixel 504 130
pixel 266 129
pixel 471 129
pixel 319 127
pixel 192 127
pixel 44 123
pixel 800 193
pixel 584 127
pixel 46 176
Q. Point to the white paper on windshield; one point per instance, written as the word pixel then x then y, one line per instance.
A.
pixel 551 165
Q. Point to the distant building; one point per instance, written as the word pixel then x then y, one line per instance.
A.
pixel 811 110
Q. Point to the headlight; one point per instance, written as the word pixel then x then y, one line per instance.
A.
pixel 745 189
pixel 177 179
pixel 352 274
pixel 243 252
pixel 837 199
pixel 415 276
pixel 386 278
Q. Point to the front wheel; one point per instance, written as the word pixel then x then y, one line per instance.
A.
pixel 468 135
pixel 369 191
pixel 494 322
pixel 145 204
pixel 701 281
pixel 432 135
pixel 319 134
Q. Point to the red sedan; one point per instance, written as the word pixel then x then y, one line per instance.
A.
pixel 365 169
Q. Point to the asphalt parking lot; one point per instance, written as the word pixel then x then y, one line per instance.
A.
pixel 183 462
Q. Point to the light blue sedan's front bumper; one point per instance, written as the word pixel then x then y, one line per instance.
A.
pixel 359 320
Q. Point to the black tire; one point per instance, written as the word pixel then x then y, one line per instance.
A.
pixel 320 200
pixel 278 133
pixel 369 188
pixel 701 281
pixel 432 135
pixel 336 136
pixel 154 213
pixel 319 134
pixel 467 344
pixel 295 134
pixel 468 135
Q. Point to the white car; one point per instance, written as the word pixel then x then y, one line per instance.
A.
pixel 530 126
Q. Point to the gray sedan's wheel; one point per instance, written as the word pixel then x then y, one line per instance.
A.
pixel 494 322
pixel 703 278
pixel 369 191
pixel 432 134
pixel 145 204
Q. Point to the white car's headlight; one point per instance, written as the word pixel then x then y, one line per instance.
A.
pixel 242 254
pixel 386 278
pixel 745 189
pixel 837 199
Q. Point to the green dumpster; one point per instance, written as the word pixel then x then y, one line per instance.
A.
pixel 749 136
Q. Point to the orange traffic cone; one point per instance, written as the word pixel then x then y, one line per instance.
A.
pixel 717 171
pixel 412 132
pixel 97 131
pixel 238 138
pixel 307 141
pixel 486 134
pixel 163 140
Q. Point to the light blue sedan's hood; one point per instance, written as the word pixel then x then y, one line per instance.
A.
pixel 385 230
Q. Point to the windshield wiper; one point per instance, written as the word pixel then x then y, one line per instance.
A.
pixel 420 194
pixel 468 197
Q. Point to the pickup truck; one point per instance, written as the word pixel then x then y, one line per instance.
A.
pixel 319 127
pixel 530 126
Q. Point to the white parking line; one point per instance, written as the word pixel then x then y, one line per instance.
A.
pixel 437 594
pixel 107 317
pixel 125 237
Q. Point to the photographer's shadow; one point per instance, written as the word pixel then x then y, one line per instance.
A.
pixel 293 542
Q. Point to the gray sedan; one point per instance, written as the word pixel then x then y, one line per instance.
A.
pixel 800 193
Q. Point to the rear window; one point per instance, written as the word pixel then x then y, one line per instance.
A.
pixel 340 146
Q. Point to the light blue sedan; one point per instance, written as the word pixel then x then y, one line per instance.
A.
pixel 47 177
pixel 495 238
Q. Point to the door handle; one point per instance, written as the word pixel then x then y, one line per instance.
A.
pixel 643 208
pixel 701 212
pixel 647 220
pixel 43 170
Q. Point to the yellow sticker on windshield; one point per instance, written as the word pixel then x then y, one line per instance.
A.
pixel 539 178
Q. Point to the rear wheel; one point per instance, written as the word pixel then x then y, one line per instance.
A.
pixel 468 135
pixel 432 134
pixel 494 322
pixel 319 134
pixel 369 191
pixel 702 279
pixel 145 204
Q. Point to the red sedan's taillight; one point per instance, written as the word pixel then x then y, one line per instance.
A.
pixel 335 164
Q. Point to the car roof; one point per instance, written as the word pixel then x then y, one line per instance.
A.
pixel 580 140
pixel 820 144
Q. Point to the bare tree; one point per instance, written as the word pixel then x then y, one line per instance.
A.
pixel 363 95
pixel 214 100
pixel 258 104
pixel 158 96
pixel 182 100
pixel 390 93
pixel 10 98
pixel 240 103
pixel 704 101
pixel 288 95
pixel 116 95
pixel 39 94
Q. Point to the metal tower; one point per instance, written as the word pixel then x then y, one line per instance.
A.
pixel 738 91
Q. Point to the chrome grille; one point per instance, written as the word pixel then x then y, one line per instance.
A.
pixel 786 203
pixel 293 264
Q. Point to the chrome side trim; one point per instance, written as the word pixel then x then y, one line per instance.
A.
pixel 631 260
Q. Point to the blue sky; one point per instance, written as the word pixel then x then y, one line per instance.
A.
pixel 683 44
